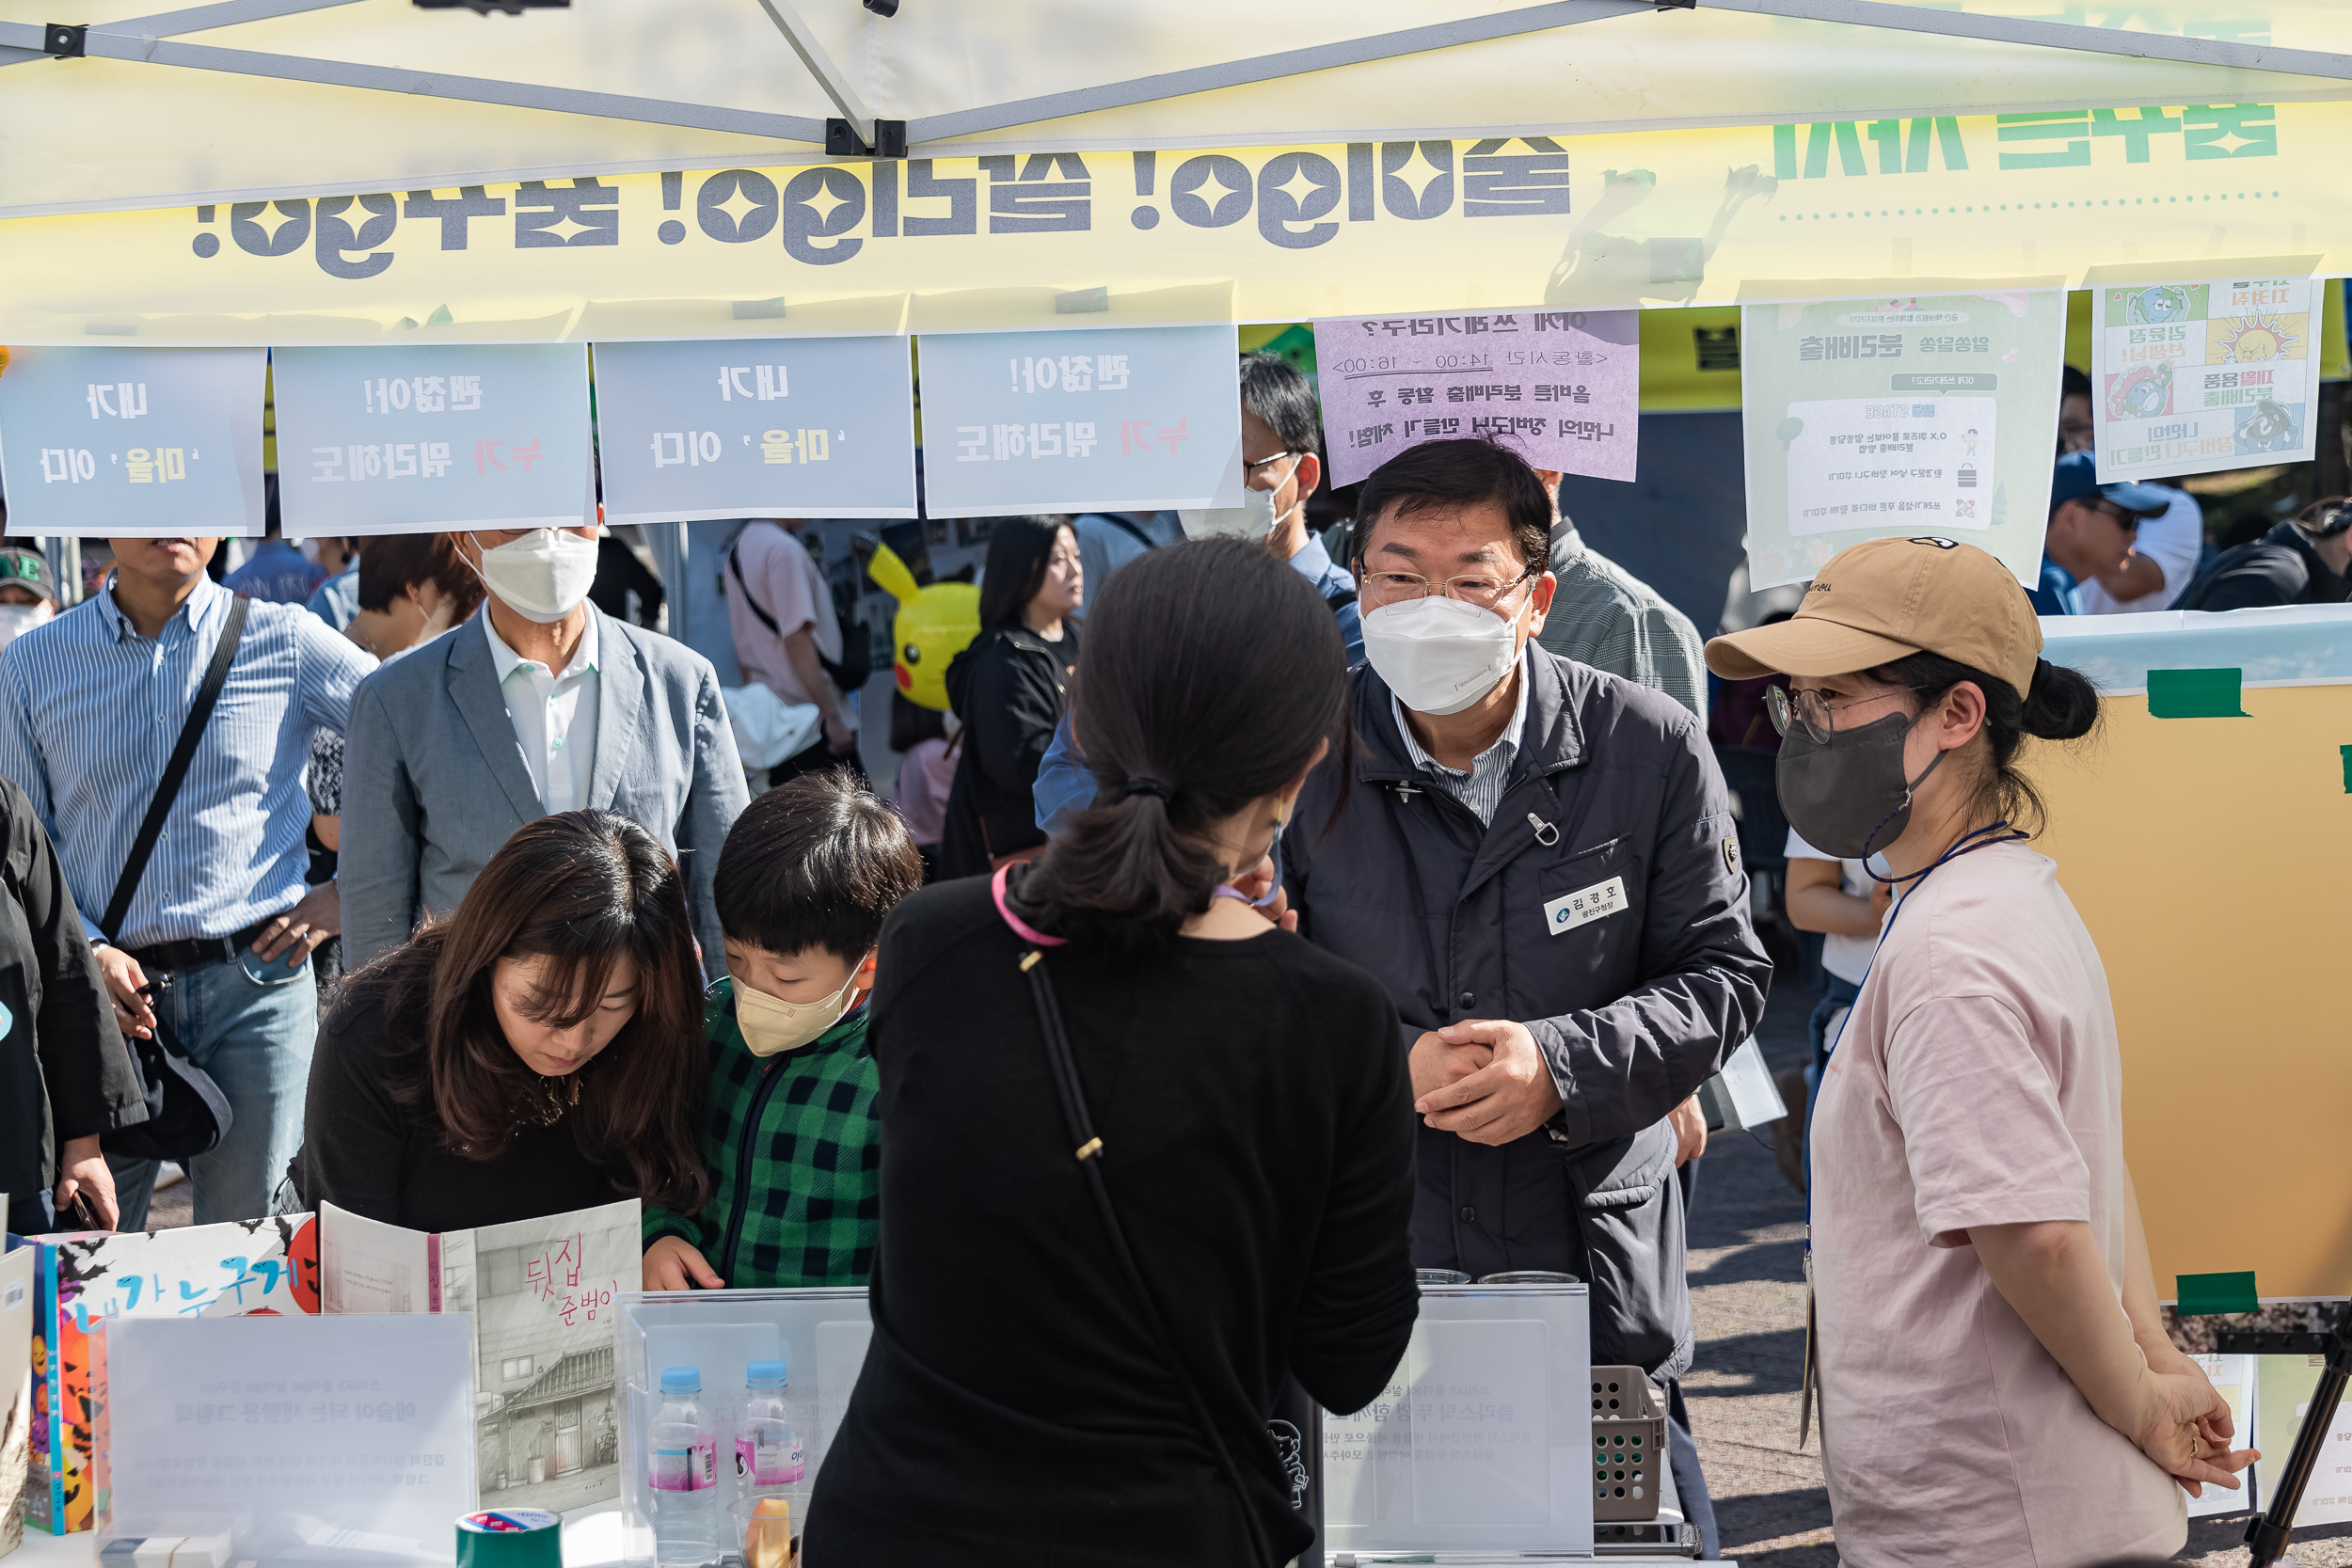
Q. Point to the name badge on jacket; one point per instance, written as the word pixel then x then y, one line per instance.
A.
pixel 1585 906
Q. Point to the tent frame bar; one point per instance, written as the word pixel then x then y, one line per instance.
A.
pixel 2052 35
pixel 150 39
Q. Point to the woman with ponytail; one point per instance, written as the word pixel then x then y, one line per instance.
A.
pixel 1996 1382
pixel 1074 1359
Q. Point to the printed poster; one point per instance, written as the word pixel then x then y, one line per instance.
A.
pixel 1561 387
pixel 116 442
pixel 433 437
pixel 756 427
pixel 1112 420
pixel 1874 418
pixel 2194 378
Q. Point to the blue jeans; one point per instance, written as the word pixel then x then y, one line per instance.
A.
pixel 251 1025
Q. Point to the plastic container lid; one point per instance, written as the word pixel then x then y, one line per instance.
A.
pixel 510 1538
pixel 765 1375
pixel 682 1380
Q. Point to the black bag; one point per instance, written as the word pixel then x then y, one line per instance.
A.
pixel 857 654
pixel 186 1112
pixel 1088 1149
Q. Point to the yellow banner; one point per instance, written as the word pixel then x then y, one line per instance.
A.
pixel 1254 233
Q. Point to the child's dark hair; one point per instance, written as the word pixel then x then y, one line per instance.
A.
pixel 2062 705
pixel 911 723
pixel 816 862
pixel 1212 674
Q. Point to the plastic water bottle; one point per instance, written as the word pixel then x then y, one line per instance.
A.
pixel 684 1472
pixel 768 1456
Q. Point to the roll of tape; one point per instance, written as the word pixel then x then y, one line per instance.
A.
pixel 510 1538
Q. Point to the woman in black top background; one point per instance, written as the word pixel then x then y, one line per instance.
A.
pixel 541 1050
pixel 1017 1406
pixel 1006 688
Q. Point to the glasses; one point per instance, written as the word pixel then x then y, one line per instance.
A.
pixel 1249 469
pixel 1482 589
pixel 1809 710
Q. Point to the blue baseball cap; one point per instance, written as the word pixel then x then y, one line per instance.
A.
pixel 2077 476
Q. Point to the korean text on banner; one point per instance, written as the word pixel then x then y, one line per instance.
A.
pixel 133 442
pixel 756 427
pixel 433 437
pixel 1123 419
pixel 346 1437
pixel 1871 419
pixel 2222 373
pixel 1561 387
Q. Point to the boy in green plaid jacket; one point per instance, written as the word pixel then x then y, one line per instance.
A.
pixel 806 877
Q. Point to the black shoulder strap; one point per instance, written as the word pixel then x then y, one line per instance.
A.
pixel 183 753
pixel 1132 527
pixel 749 603
pixel 1079 1122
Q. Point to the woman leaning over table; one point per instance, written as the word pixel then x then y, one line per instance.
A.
pixel 1996 1385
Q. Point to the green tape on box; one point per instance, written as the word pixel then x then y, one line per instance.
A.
pixel 2347 768
pixel 2204 1295
pixel 2194 693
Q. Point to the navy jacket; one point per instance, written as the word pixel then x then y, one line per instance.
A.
pixel 1632 1010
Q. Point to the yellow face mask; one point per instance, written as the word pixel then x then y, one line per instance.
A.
pixel 771 1026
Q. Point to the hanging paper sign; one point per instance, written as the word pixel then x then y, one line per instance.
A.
pixel 1871 419
pixel 756 427
pixel 1562 387
pixel 2193 377
pixel 1118 420
pixel 433 437
pixel 133 442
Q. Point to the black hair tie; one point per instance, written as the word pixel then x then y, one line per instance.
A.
pixel 1143 784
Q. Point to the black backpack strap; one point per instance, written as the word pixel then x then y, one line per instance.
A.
pixel 176 770
pixel 749 603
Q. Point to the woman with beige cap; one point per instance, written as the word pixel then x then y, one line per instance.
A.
pixel 1995 1383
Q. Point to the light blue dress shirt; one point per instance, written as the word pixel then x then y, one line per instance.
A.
pixel 89 712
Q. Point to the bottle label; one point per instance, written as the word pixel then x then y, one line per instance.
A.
pixel 776 1461
pixel 692 1468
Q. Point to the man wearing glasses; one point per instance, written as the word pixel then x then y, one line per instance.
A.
pixel 1539 862
pixel 2094 534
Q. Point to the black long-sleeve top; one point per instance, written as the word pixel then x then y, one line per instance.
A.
pixel 1007 688
pixel 1014 1406
pixel 64 1073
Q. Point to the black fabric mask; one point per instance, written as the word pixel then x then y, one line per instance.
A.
pixel 1847 796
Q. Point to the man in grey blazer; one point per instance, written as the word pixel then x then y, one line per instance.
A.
pixel 541 703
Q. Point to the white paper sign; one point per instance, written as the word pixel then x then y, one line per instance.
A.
pixel 1482 1444
pixel 298 1433
pixel 2195 377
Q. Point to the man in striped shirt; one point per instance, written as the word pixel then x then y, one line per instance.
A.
pixel 220 925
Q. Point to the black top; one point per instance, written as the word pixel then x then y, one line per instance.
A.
pixel 619 572
pixel 1014 1406
pixel 64 1073
pixel 2279 568
pixel 1006 688
pixel 365 1151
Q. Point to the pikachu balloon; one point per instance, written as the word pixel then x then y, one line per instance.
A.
pixel 933 626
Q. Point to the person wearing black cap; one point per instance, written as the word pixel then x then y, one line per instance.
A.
pixel 2302 561
pixel 2091 532
pixel 28 594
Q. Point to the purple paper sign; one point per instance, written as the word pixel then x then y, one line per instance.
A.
pixel 1563 387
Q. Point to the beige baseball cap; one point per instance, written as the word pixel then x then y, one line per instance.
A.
pixel 1888 599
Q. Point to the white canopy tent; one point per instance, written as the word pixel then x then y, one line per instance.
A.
pixel 251 98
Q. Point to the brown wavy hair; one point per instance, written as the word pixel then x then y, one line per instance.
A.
pixel 583 890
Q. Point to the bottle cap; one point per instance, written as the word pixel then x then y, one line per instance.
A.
pixel 765 1374
pixel 682 1380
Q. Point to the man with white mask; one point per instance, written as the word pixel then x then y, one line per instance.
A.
pixel 1538 861
pixel 27 595
pixel 540 704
